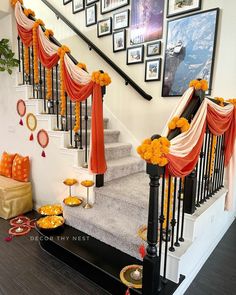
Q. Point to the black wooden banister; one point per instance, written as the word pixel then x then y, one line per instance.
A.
pixel 127 79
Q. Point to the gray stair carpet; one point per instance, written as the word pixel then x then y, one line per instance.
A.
pixel 121 208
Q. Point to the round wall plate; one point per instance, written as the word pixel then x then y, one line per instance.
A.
pixel 43 138
pixel 31 122
pixel 21 107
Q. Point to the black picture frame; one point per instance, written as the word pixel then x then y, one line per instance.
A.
pixel 106 33
pixel 157 75
pixel 126 25
pixel 89 2
pixel 121 48
pixel 112 8
pixel 136 60
pixel 80 9
pixel 66 1
pixel 154 47
pixel 207 71
pixel 194 8
pixel 87 23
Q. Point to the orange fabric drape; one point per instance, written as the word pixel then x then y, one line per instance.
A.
pixel 181 167
pixel 25 35
pixel 47 60
pixel 79 92
pixel 220 124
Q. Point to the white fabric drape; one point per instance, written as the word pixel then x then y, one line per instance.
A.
pixel 22 19
pixel 49 47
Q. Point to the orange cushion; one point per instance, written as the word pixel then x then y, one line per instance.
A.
pixel 21 168
pixel 6 164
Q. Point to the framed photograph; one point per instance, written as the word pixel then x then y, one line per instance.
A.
pixel 91 15
pixel 109 5
pixel 154 48
pixel 77 5
pixel 146 20
pixel 153 70
pixel 88 2
pixel 121 20
pixel 119 40
pixel 177 7
pixel 190 51
pixel 66 1
pixel 135 55
pixel 104 27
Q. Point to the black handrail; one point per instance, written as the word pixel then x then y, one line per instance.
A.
pixel 127 79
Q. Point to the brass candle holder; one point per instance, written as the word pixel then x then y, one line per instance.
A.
pixel 70 182
pixel 72 201
pixel 87 184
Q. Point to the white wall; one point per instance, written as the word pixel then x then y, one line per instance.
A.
pixel 141 117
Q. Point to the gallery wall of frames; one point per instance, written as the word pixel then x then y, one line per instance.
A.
pixel 136 26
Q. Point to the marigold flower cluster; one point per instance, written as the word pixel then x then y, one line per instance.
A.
pixel 181 123
pixel 155 151
pixel 103 79
pixel 199 84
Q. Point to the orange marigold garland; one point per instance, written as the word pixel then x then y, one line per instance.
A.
pixel 181 123
pixel 220 101
pixel 48 33
pixel 61 52
pixel 155 151
pixel 82 66
pixel 26 59
pixel 232 100
pixel 212 155
pixel 13 2
pixel 37 23
pixel 103 79
pixel 199 84
pixel 28 12
pixel 77 116
pixel 49 83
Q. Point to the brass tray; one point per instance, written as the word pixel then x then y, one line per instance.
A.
pixel 126 276
pixel 50 223
pixel 73 201
pixel 50 210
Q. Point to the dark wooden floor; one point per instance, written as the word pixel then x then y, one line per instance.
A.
pixel 218 275
pixel 26 269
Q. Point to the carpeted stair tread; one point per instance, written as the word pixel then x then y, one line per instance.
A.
pixel 104 224
pixel 132 190
pixel 117 150
pixel 122 167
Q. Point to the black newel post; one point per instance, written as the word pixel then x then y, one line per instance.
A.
pixel 190 187
pixel 151 273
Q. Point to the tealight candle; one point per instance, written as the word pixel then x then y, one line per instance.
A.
pixel 136 275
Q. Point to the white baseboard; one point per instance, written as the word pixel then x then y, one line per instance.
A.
pixel 188 280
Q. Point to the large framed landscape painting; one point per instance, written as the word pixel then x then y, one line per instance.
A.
pixel 146 20
pixel 190 51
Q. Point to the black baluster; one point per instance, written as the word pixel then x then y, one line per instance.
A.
pixel 19 56
pixel 71 126
pixel 216 166
pixel 197 170
pixel 190 192
pixel 52 98
pixel 30 70
pixel 222 161
pixel 200 178
pixel 177 244
pixel 161 221
pixel 166 234
pixel 57 97
pixel 210 188
pixel 181 239
pixel 208 164
pixel 173 221
pixel 33 84
pixel 44 91
pixel 81 126
pixel 151 273
pixel 23 64
pixel 204 176
pixel 66 115
pixel 40 81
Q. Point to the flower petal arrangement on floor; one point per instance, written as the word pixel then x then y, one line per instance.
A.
pixel 74 79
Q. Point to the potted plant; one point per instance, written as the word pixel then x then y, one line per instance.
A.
pixel 7 60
